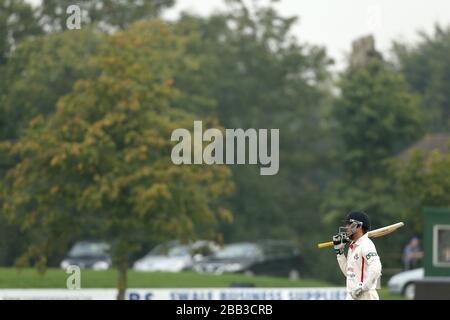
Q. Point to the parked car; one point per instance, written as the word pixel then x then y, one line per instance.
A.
pixel 175 256
pixel 89 255
pixel 403 282
pixel 276 258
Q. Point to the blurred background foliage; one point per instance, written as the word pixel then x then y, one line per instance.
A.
pixel 86 117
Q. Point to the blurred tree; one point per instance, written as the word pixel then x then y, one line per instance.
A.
pixel 107 14
pixel 17 21
pixel 262 77
pixel 102 161
pixel 426 67
pixel 44 69
pixel 376 116
pixel 40 72
pixel 12 242
pixel 422 181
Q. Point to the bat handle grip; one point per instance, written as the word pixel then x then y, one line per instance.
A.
pixel 325 244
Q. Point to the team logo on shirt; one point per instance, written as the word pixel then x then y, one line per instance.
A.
pixel 356 257
pixel 371 254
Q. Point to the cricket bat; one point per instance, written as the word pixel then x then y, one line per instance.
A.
pixel 372 234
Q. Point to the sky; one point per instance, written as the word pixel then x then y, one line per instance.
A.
pixel 334 24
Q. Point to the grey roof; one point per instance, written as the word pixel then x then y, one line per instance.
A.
pixel 429 143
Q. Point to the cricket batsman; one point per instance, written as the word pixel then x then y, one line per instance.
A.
pixel 362 265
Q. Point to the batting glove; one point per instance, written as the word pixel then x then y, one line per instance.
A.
pixel 339 242
pixel 357 292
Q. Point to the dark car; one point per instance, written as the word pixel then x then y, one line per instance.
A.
pixel 88 255
pixel 275 258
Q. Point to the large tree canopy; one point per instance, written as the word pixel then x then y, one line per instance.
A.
pixel 376 115
pixel 422 181
pixel 107 14
pixel 426 67
pixel 262 76
pixel 41 71
pixel 102 161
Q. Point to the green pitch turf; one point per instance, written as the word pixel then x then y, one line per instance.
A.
pixel 56 278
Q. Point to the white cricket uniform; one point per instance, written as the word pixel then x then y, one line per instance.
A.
pixel 362 265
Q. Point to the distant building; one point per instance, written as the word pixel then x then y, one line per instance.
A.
pixel 428 144
pixel 364 52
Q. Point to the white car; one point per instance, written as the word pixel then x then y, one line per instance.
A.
pixel 403 282
pixel 174 257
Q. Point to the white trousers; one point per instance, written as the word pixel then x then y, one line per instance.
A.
pixel 366 295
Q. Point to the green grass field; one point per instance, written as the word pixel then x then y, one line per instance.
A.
pixel 56 278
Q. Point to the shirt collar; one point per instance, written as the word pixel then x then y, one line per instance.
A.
pixel 353 244
pixel 364 236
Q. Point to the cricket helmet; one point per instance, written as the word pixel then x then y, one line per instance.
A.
pixel 360 218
